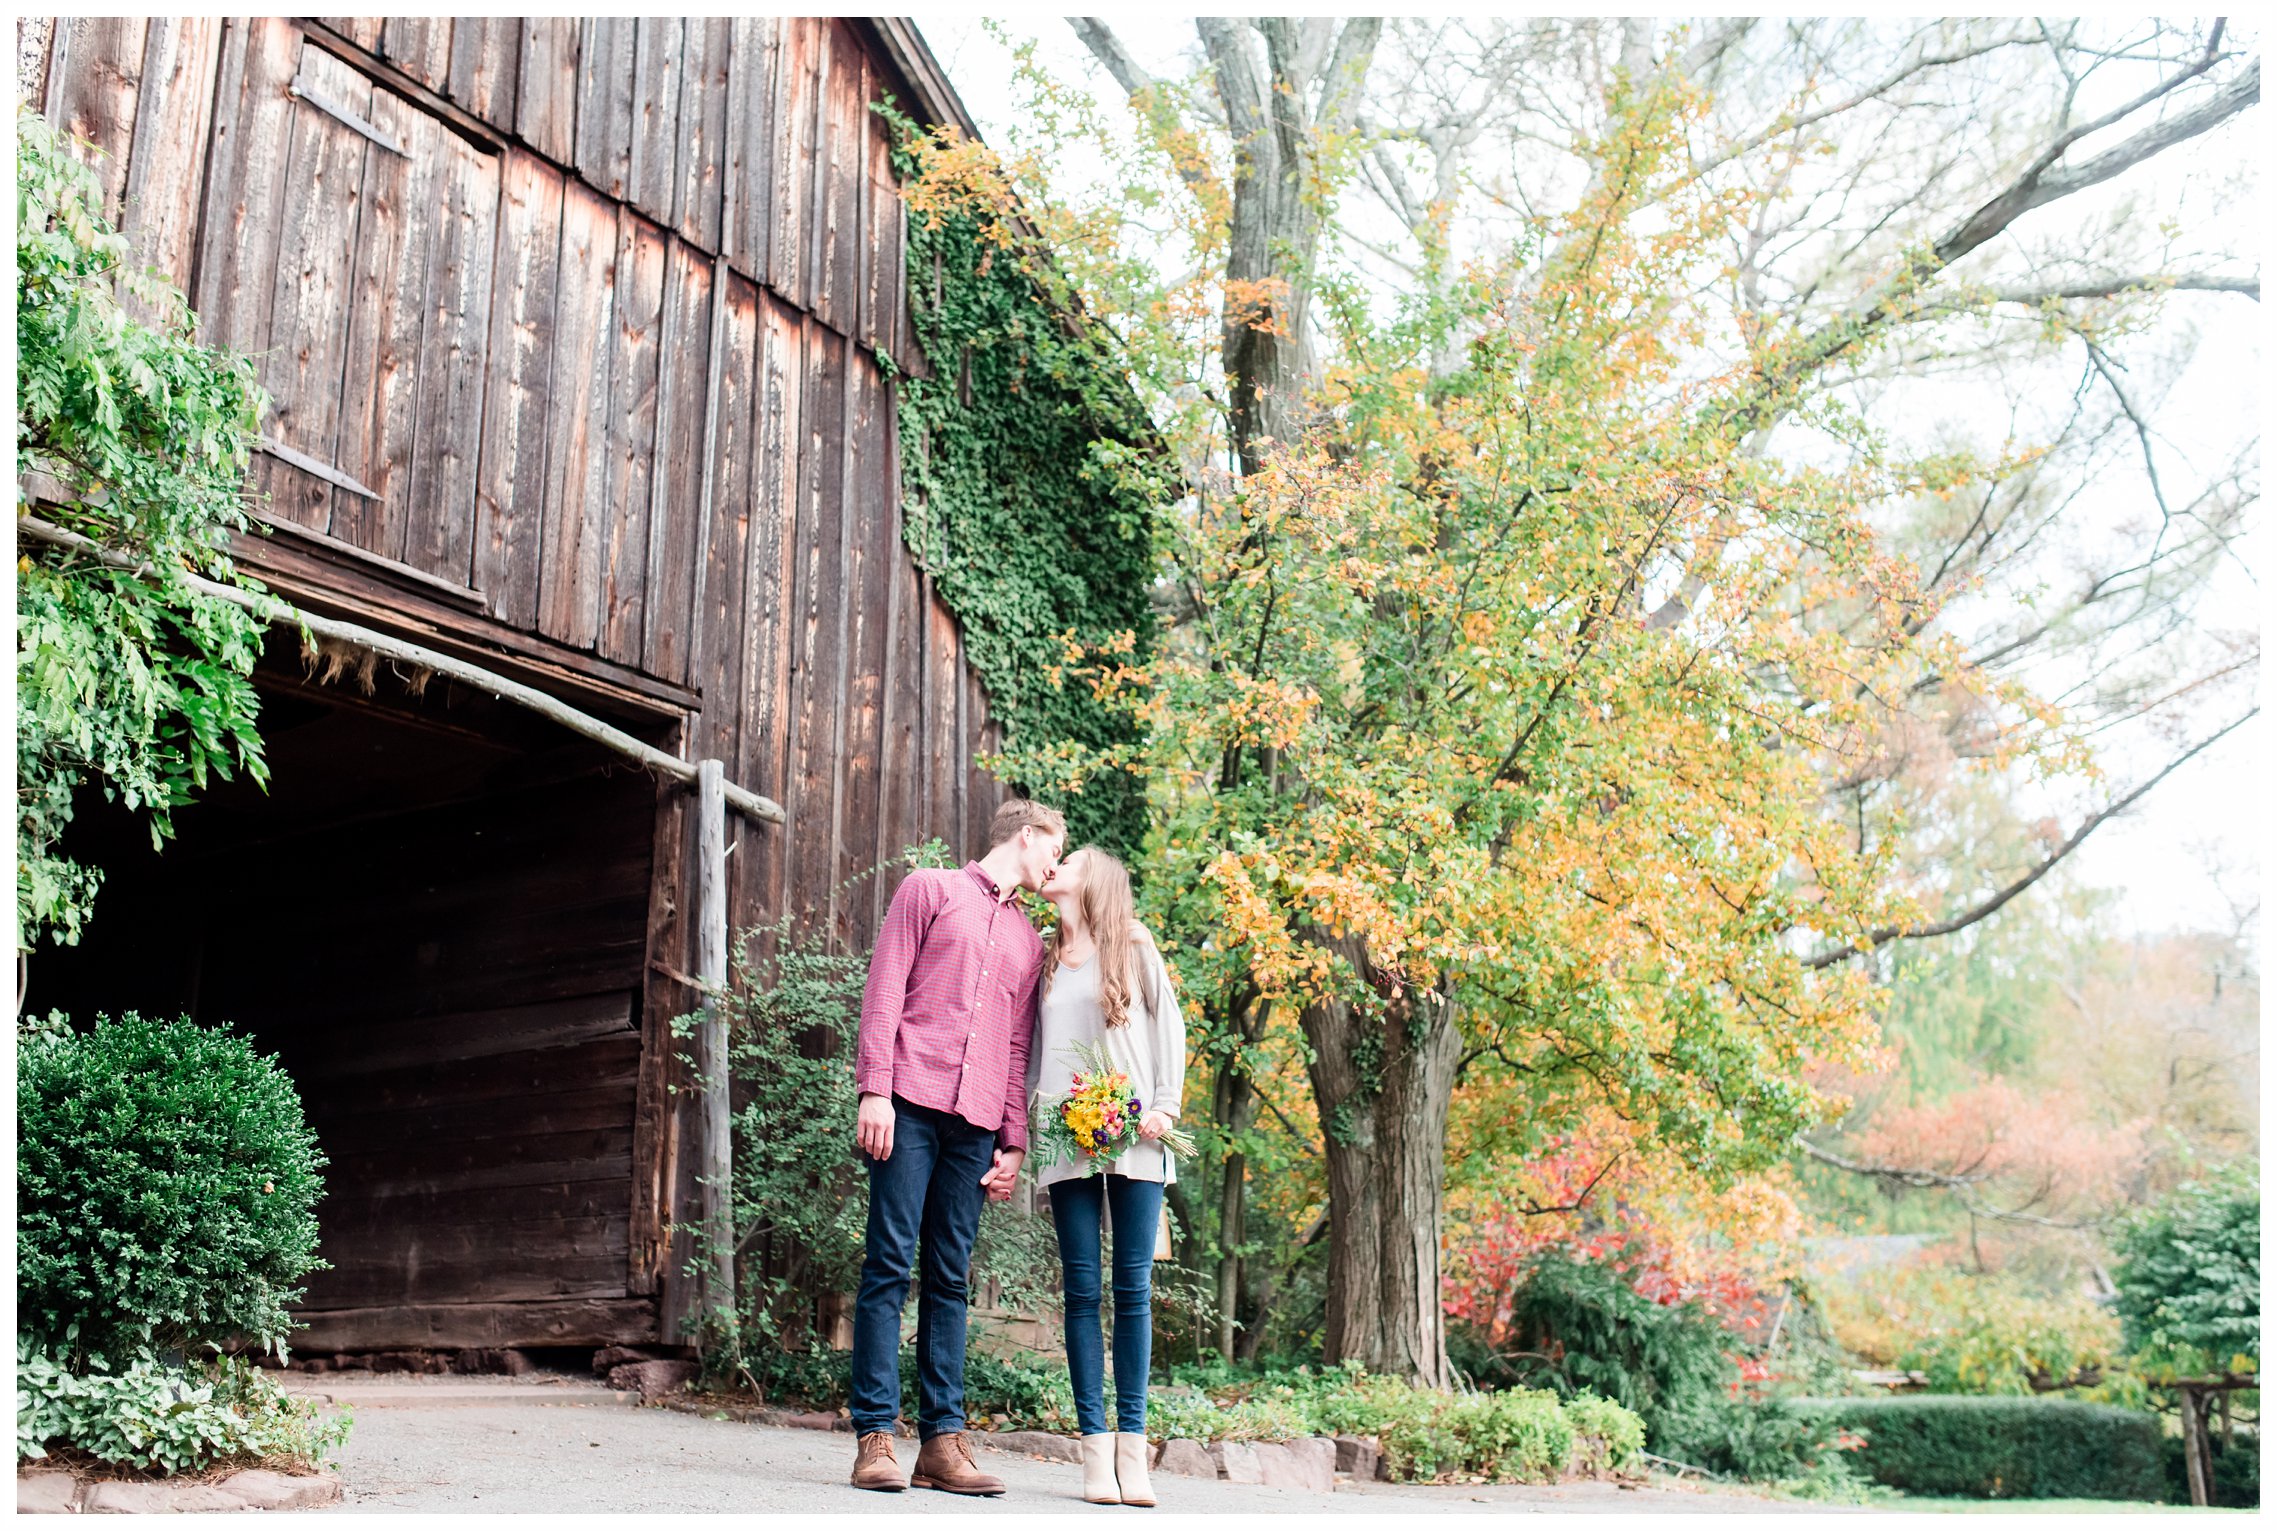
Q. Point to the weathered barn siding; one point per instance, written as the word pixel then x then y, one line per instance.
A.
pixel 573 333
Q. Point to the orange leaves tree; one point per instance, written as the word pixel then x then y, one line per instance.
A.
pixel 1499 731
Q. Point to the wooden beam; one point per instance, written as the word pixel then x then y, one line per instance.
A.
pixel 308 91
pixel 317 467
pixel 485 136
pixel 483 1326
pixel 395 569
pixel 584 724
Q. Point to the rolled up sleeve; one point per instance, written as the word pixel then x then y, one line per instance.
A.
pixel 1013 1132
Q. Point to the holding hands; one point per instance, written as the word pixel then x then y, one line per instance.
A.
pixel 1003 1174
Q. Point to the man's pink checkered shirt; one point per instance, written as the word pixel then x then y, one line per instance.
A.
pixel 950 1008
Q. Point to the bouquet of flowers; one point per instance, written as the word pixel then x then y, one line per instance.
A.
pixel 1098 1118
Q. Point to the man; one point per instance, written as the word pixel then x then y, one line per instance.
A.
pixel 941 1065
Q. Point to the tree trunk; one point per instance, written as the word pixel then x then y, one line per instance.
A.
pixel 1383 1085
pixel 1233 1112
pixel 1279 118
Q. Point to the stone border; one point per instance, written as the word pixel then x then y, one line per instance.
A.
pixel 1314 1464
pixel 54 1491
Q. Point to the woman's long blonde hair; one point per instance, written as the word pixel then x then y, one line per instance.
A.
pixel 1105 904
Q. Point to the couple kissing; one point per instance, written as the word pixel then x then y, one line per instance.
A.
pixel 968 1019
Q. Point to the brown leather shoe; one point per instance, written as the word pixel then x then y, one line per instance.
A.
pixel 945 1462
pixel 874 1466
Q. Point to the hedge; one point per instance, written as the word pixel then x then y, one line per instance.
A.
pixel 2003 1448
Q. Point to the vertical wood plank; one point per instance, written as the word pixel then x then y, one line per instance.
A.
pixel 871 558
pixel 944 713
pixel 843 154
pixel 96 93
pixel 636 350
pixel 660 47
pixel 699 145
pixel 420 46
pixel 754 50
pixel 237 259
pixel 725 600
pixel 509 502
pixel 901 750
pixel 363 31
pixel 578 405
pixel 982 792
pixel 774 542
pixel 387 301
pixel 166 169
pixel 486 67
pixel 605 101
pixel 316 242
pixel 790 158
pixel 674 504
pixel 818 606
pixel 881 237
pixel 454 345
pixel 960 754
pixel 546 86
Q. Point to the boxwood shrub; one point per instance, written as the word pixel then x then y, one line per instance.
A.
pixel 2003 1448
pixel 165 1190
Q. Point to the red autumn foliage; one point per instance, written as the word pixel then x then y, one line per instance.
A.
pixel 1489 1263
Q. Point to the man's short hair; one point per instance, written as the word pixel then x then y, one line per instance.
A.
pixel 1017 813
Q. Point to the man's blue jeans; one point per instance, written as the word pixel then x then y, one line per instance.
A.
pixel 1136 1207
pixel 925 1197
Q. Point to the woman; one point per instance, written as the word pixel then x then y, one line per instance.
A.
pixel 1104 984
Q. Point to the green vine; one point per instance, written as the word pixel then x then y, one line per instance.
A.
pixel 1034 498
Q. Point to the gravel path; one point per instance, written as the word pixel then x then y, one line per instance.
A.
pixel 423 1444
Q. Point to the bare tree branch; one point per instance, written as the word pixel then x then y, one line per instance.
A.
pixel 1993 904
pixel 2039 184
pixel 1873 92
pixel 1108 49
pixel 2111 287
pixel 1889 1174
pixel 1962 1186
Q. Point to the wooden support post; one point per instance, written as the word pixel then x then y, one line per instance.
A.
pixel 2194 1450
pixel 714 1202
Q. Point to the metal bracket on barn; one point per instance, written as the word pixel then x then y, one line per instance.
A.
pixel 715 794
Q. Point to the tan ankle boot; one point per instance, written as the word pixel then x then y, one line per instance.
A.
pixel 945 1462
pixel 1099 1470
pixel 874 1466
pixel 1130 1469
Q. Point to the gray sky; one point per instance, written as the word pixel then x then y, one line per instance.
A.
pixel 2192 852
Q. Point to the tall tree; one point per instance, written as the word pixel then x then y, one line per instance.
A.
pixel 1440 767
pixel 1287 91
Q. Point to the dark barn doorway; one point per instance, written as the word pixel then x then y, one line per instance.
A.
pixel 436 916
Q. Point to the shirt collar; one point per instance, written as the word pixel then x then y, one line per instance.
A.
pixel 988 885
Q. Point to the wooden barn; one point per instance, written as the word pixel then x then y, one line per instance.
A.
pixel 580 337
